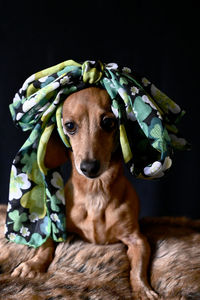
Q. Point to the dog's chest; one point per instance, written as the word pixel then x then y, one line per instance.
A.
pixel 89 220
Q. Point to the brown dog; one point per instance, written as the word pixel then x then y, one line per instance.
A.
pixel 101 205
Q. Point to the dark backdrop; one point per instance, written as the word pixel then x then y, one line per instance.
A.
pixel 155 38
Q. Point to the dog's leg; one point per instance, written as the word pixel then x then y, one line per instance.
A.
pixel 138 254
pixel 38 264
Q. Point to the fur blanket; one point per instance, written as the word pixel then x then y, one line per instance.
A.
pixel 92 272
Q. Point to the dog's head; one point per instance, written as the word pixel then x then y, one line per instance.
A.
pixel 91 126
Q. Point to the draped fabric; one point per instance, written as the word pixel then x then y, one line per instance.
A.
pixel 148 135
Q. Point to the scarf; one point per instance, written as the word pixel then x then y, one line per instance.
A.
pixel 148 134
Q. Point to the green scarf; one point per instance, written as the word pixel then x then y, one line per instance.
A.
pixel 148 134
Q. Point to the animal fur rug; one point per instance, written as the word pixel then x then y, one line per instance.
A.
pixel 92 272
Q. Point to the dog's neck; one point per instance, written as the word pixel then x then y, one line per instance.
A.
pixel 100 187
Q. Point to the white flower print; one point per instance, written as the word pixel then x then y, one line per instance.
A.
pixel 112 66
pixel 61 196
pixel 43 79
pixel 54 217
pixel 57 182
pixel 145 81
pixel 147 100
pixel 28 81
pixel 17 183
pixel 65 80
pixel 12 236
pixel 157 169
pixel 24 231
pixel 91 61
pixel 154 169
pixel 55 85
pixel 177 140
pixel 134 90
pixel 16 98
pixel 28 104
pixel 19 115
pixel 126 70
pixel 33 217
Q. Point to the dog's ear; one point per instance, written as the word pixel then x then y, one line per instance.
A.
pixel 56 152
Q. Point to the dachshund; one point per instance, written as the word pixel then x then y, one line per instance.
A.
pixel 101 205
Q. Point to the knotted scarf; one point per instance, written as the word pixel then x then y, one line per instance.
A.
pixel 148 134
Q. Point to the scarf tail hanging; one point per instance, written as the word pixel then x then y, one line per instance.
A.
pixel 36 208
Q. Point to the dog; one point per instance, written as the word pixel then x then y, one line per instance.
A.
pixel 101 205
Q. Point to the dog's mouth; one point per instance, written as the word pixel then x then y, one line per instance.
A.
pixel 92 176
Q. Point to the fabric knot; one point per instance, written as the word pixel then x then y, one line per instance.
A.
pixel 92 71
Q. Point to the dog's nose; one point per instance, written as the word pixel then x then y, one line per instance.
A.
pixel 90 167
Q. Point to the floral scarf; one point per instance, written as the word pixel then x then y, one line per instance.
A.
pixel 148 134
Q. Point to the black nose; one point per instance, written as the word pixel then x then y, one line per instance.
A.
pixel 90 167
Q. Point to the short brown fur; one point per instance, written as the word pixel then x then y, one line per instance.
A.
pixel 103 209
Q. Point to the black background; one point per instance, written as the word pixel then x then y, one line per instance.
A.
pixel 157 38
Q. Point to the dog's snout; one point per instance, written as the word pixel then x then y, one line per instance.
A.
pixel 90 167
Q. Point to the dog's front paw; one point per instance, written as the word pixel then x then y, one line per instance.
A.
pixel 28 269
pixel 145 294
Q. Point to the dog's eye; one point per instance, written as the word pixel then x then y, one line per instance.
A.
pixel 71 127
pixel 108 124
